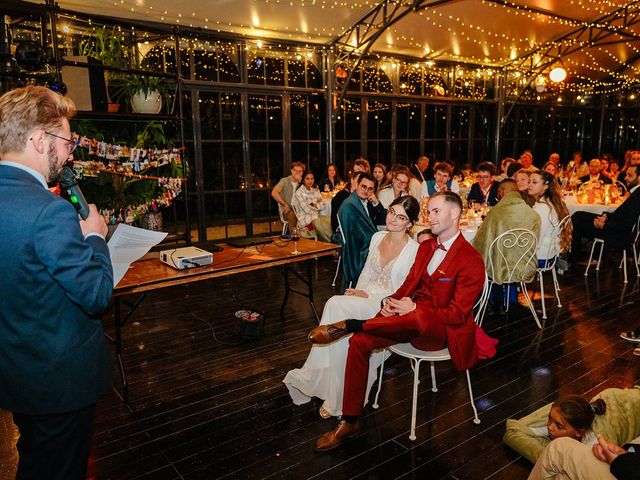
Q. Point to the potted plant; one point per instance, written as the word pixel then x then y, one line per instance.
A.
pixel 143 92
pixel 108 47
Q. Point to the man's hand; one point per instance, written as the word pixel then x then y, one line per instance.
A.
pixel 286 209
pixel 94 223
pixel 599 221
pixel 373 199
pixel 606 451
pixel 354 292
pixel 399 307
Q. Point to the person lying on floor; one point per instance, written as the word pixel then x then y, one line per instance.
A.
pixel 391 255
pixel 433 309
pixel 566 459
pixel 613 413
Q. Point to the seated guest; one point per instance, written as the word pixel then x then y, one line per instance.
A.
pixel 522 180
pixel 594 173
pixel 544 189
pixel 397 188
pixel 526 160
pixel 391 255
pixel 361 165
pixel 419 174
pixel 576 168
pixel 551 168
pixel 357 228
pixel 380 174
pixel 441 181
pixel 331 179
pixel 433 309
pixel 341 196
pixel 614 171
pixel 510 212
pixel 466 170
pixel 513 169
pixel 307 202
pixel 615 228
pixel 485 191
pixel 284 189
pixel 504 167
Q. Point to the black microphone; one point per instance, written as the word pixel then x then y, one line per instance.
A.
pixel 68 182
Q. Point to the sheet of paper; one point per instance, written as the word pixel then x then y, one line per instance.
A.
pixel 128 244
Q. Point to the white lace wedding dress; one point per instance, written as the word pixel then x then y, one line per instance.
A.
pixel 322 375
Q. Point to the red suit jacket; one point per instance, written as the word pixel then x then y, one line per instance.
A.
pixel 448 296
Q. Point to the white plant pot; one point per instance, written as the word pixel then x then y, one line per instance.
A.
pixel 152 103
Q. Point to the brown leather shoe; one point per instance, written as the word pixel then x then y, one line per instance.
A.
pixel 327 333
pixel 335 437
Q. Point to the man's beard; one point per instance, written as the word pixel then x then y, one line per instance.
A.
pixel 55 167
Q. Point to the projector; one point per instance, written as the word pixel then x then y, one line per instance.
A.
pixel 186 257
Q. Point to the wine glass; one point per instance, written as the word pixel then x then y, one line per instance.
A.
pixel 295 236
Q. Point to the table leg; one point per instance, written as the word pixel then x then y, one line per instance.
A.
pixel 118 342
pixel 287 289
pixel 310 286
pixel 307 281
pixel 120 321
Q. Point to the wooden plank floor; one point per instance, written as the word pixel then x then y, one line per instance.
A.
pixel 204 407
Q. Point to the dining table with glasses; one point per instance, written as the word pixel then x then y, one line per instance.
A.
pixel 597 207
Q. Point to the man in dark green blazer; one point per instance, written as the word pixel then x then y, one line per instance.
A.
pixel 57 280
pixel 357 228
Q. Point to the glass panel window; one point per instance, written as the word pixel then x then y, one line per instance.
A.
pixel 231 116
pixel 436 123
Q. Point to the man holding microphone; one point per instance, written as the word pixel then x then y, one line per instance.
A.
pixel 57 280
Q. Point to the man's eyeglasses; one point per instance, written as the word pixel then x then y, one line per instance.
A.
pixel 394 216
pixel 71 144
pixel 364 188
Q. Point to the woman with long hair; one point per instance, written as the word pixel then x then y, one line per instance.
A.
pixel 391 255
pixel 306 203
pixel 544 188
pixel 380 174
pixel 331 179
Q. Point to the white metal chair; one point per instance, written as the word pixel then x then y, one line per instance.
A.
pixel 285 223
pixel 525 242
pixel 550 265
pixel 416 357
pixel 623 263
pixel 344 244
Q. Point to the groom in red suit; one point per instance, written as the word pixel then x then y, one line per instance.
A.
pixel 433 309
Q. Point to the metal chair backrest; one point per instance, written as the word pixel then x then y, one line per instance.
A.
pixel 482 302
pixel 501 254
pixel 622 186
pixel 339 229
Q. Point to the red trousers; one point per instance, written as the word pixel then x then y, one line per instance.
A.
pixel 380 332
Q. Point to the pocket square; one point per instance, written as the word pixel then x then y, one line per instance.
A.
pixel 444 279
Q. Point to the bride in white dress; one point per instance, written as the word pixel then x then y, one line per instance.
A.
pixel 391 255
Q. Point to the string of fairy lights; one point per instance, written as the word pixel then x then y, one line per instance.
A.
pixel 602 69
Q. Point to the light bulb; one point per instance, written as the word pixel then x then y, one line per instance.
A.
pixel 558 74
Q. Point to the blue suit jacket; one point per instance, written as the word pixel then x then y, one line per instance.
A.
pixel 53 288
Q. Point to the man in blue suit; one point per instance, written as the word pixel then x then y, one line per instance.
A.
pixel 57 279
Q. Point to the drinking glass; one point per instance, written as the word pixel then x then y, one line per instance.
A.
pixel 295 236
